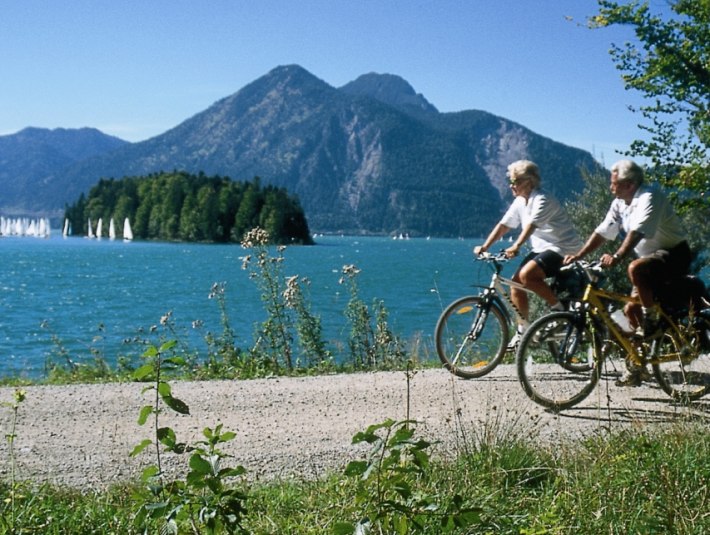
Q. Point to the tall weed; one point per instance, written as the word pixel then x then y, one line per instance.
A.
pixel 202 502
pixel 372 346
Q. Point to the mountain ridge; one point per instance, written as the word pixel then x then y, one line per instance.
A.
pixel 370 157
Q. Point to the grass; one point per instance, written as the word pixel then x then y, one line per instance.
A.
pixel 629 482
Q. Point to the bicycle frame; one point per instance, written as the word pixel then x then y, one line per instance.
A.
pixel 496 289
pixel 593 300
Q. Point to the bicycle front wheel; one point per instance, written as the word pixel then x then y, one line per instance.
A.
pixel 557 360
pixel 681 361
pixel 471 337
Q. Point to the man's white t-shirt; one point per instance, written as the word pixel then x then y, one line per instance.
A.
pixel 553 228
pixel 649 213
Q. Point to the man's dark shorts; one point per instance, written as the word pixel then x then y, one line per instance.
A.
pixel 673 263
pixel 549 261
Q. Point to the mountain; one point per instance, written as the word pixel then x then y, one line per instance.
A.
pixel 30 159
pixel 371 157
pixel 390 89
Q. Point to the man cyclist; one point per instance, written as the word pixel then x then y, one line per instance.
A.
pixel 551 234
pixel 653 231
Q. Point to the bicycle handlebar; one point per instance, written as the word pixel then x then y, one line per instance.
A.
pixel 593 270
pixel 492 257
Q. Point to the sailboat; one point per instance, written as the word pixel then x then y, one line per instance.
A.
pixel 127 232
pixel 43 229
pixel 111 230
pixel 90 231
pixel 67 229
pixel 99 228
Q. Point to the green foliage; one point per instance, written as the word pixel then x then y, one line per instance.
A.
pixel 670 66
pixel 275 337
pixel 389 497
pixel 290 326
pixel 625 482
pixel 9 521
pixel 371 346
pixel 202 502
pixel 184 207
pixel 61 366
pixel 314 351
pixel 646 482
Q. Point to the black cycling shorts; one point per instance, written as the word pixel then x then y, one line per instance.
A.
pixel 673 262
pixel 549 261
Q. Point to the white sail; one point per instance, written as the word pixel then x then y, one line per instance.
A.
pixel 127 232
pixel 99 228
pixel 112 229
pixel 66 230
pixel 90 232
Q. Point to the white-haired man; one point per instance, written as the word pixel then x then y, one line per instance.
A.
pixel 654 234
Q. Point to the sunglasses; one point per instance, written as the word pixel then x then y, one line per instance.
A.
pixel 517 182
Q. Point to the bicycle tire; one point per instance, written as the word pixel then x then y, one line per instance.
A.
pixel 680 362
pixel 471 337
pixel 548 378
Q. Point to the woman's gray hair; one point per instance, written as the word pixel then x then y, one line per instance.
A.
pixel 628 171
pixel 524 169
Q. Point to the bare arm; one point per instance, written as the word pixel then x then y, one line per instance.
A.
pixel 497 233
pixel 631 240
pixel 593 243
pixel 524 235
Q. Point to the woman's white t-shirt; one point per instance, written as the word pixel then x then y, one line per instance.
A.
pixel 553 228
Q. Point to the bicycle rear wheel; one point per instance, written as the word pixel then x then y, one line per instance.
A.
pixel 681 361
pixel 471 337
pixel 557 360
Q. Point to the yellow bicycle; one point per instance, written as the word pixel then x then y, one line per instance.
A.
pixel 561 356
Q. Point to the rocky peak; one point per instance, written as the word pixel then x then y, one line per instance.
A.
pixel 391 90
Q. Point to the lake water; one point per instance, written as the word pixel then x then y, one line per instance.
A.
pixel 98 293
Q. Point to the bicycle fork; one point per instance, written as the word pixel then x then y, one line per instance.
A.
pixel 479 322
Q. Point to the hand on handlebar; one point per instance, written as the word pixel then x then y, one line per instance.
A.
pixel 607 260
pixel 512 251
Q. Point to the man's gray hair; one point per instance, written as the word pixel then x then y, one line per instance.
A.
pixel 628 171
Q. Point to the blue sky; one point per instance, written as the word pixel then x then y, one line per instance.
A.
pixel 135 69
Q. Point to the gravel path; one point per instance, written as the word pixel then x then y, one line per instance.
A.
pixel 81 435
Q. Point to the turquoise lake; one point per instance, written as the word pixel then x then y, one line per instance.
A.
pixel 97 294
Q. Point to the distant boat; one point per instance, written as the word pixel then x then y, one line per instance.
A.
pixel 90 231
pixel 99 228
pixel 112 230
pixel 67 228
pixel 43 228
pixel 127 232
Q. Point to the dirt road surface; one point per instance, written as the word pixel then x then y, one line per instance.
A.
pixel 81 435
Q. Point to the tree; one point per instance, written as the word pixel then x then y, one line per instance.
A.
pixel 176 205
pixel 247 216
pixel 670 66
